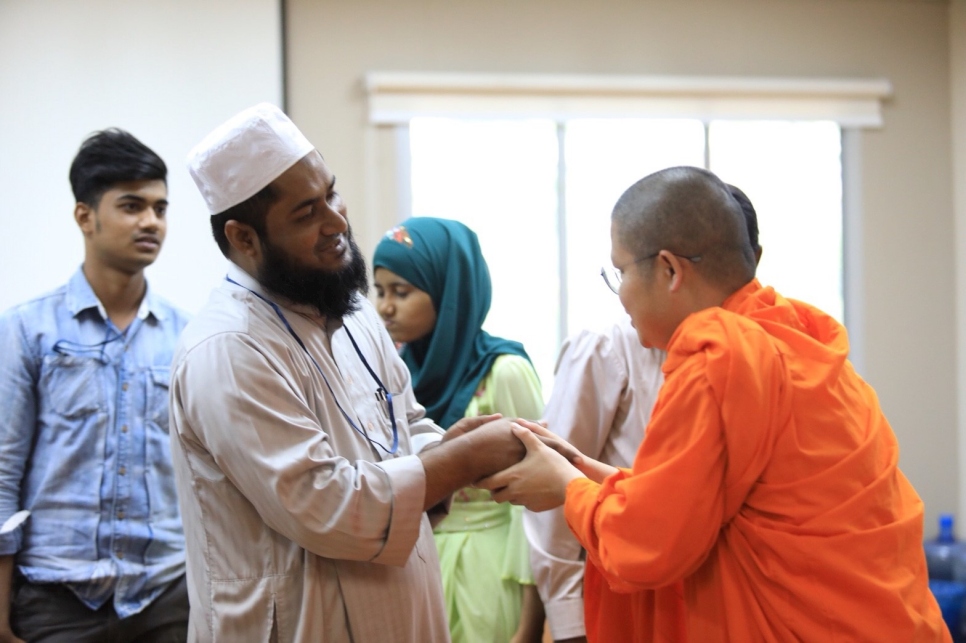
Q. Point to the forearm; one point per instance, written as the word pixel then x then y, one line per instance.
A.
pixel 594 469
pixel 460 462
pixel 449 466
pixel 531 617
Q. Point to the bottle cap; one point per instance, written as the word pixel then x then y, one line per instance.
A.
pixel 946 533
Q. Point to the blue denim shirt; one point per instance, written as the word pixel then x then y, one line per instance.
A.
pixel 84 446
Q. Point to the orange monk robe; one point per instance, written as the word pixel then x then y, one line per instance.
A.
pixel 629 618
pixel 768 483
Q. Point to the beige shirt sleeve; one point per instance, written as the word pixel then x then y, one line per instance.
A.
pixel 604 388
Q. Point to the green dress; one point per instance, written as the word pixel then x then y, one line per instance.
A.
pixel 483 551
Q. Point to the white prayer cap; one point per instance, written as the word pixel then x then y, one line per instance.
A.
pixel 244 154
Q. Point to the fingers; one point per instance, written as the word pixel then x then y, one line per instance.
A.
pixel 470 423
pixel 536 427
pixel 534 441
pixel 564 449
pixel 549 438
pixel 498 480
pixel 527 482
pixel 466 425
pixel 505 486
pixel 525 435
pixel 554 441
pixel 502 495
pixel 544 432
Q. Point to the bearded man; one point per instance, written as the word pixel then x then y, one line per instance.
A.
pixel 304 465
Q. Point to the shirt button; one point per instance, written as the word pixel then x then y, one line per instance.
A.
pixel 122 470
pixel 369 426
pixel 124 386
pixel 124 429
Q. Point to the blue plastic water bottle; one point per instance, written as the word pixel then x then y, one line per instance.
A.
pixel 946 562
pixel 942 552
pixel 950 595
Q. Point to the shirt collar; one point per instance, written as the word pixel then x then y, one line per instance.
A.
pixel 81 297
pixel 245 280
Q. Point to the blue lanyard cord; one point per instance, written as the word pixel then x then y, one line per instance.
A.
pixel 381 392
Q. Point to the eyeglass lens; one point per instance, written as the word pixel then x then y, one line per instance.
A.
pixel 612 278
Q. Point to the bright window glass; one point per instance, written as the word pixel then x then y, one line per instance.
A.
pixel 792 172
pixel 603 158
pixel 500 179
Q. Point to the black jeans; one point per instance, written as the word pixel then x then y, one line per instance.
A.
pixel 53 614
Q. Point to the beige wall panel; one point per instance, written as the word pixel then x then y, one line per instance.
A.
pixel 957 31
pixel 908 242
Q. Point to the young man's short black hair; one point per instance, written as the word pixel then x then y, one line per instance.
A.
pixel 109 157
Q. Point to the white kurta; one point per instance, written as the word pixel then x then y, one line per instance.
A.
pixel 296 527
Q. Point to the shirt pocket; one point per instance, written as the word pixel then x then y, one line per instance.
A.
pixel 156 398
pixel 71 385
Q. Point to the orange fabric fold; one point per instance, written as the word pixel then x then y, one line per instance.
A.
pixel 765 502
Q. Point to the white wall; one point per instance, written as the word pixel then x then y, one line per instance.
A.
pixel 168 72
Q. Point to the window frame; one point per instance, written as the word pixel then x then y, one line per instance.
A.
pixel 394 98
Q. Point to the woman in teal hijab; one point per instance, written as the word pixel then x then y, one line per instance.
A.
pixel 433 292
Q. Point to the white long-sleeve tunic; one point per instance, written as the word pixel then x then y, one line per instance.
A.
pixel 296 527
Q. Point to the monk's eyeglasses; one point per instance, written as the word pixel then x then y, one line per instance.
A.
pixel 613 276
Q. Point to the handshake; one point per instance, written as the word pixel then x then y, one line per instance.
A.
pixel 520 461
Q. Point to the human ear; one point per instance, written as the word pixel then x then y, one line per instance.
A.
pixel 84 216
pixel 243 238
pixel 672 269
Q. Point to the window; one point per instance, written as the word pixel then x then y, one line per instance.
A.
pixel 602 158
pixel 792 172
pixel 500 178
pixel 534 164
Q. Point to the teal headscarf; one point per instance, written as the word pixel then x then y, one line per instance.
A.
pixel 443 259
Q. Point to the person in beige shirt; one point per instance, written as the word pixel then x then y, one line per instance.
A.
pixel 305 467
pixel 604 388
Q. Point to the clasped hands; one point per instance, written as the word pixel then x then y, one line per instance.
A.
pixel 536 478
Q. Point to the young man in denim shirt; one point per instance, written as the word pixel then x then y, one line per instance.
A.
pixel 84 442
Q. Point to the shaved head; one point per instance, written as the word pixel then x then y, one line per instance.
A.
pixel 691 213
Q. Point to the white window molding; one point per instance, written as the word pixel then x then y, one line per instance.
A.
pixel 397 97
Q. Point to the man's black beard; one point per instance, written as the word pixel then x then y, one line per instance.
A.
pixel 332 293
